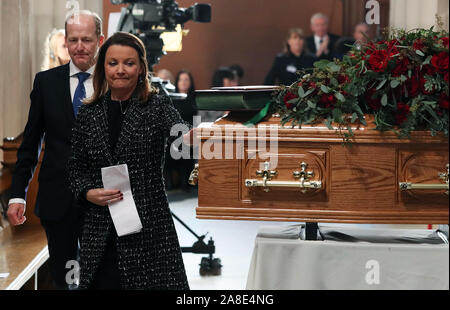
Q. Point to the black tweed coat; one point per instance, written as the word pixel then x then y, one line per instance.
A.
pixel 152 258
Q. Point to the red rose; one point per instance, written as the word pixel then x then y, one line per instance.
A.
pixel 440 62
pixel 428 70
pixel 289 96
pixel 373 102
pixel 401 66
pixel 413 86
pixel 418 45
pixel 444 41
pixel 402 113
pixel 343 79
pixel 443 101
pixel 392 45
pixel 327 101
pixel 378 61
pixel 371 48
pixel 446 76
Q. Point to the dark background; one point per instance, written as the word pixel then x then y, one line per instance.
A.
pixel 251 33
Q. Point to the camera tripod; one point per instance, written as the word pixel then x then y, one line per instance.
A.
pixel 208 265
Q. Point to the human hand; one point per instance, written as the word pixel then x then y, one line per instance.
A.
pixel 16 214
pixel 103 197
pixel 323 49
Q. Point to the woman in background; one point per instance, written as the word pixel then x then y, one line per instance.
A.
pixel 55 50
pixel 176 172
pixel 294 58
pixel 184 83
pixel 222 77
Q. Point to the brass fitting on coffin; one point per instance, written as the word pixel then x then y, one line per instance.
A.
pixel 193 177
pixel 266 183
pixel 405 186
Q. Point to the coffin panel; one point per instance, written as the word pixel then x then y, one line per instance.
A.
pixel 360 183
pixel 285 162
pixel 363 177
pixel 422 166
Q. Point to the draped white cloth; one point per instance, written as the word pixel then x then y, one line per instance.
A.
pixel 411 261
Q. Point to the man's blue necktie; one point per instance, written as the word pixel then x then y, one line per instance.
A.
pixel 80 92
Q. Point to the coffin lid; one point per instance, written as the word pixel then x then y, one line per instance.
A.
pixel 231 126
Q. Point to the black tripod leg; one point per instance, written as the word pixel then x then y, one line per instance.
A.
pixel 187 227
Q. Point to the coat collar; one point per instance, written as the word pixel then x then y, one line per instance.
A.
pixel 129 125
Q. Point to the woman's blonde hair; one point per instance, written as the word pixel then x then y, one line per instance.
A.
pixel 51 59
pixel 143 88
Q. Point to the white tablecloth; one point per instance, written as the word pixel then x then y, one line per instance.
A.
pixel 295 264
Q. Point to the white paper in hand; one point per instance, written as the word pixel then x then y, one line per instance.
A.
pixel 123 213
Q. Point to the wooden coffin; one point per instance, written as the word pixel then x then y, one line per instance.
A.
pixel 312 176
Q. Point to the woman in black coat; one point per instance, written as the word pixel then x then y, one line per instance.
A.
pixel 125 122
pixel 294 58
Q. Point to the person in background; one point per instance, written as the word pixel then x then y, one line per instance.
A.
pixel 176 172
pixel 322 43
pixel 184 83
pixel 55 50
pixel 294 58
pixel 56 96
pixel 127 122
pixel 360 36
pixel 239 72
pixel 223 77
pixel 166 75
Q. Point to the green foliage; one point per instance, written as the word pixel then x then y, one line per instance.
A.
pixel 402 81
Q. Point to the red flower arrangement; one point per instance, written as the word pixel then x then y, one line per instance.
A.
pixel 403 81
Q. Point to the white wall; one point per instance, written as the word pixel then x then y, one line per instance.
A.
pixel 410 14
pixel 24 24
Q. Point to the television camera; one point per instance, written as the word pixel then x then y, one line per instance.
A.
pixel 148 19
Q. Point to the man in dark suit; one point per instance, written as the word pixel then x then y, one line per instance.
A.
pixel 322 43
pixel 55 99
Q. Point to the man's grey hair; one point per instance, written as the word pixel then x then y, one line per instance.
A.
pixel 319 15
pixel 95 16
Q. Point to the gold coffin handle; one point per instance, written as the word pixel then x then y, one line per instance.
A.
pixel 406 186
pixel 304 184
pixel 193 177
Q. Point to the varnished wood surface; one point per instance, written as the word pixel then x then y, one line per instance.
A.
pixel 32 191
pixel 20 247
pixel 10 148
pixel 310 133
pixel 360 183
